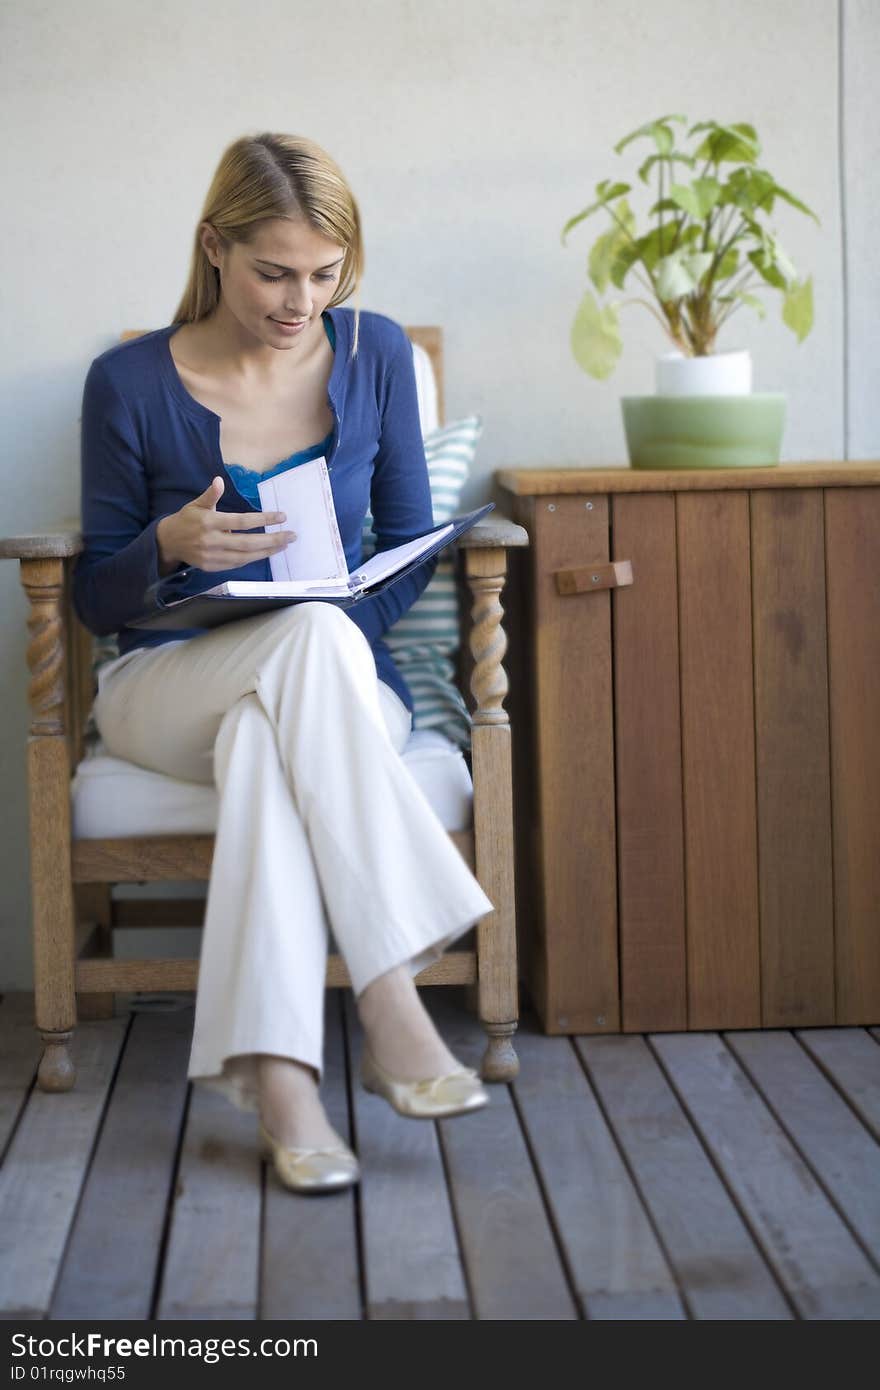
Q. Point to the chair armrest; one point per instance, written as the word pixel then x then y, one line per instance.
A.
pixel 56 542
pixel 493 532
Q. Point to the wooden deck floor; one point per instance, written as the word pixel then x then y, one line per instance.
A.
pixel 655 1176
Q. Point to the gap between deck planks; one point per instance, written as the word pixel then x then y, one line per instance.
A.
pixel 641 1177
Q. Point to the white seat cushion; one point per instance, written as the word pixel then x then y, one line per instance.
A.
pixel 112 798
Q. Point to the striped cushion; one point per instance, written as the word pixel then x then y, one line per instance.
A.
pixel 425 639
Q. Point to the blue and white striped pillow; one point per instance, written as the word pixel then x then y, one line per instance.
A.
pixel 425 639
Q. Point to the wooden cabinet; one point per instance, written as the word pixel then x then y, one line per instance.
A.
pixel 695 703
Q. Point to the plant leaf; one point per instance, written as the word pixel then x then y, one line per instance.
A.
pixel 664 205
pixel 627 255
pixel 697 199
pixel 780 259
pixel 595 337
pixel 797 308
pixel 653 159
pixel 607 248
pixel 607 193
pixel 795 202
pixel 672 278
pixel 753 302
pixel 767 270
pixel 751 190
pixel 728 266
pixel 658 131
pixel 696 263
pixel 727 143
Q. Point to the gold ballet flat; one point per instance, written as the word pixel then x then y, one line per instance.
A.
pixel 457 1093
pixel 311 1170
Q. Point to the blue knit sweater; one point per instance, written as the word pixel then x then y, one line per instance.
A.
pixel 149 447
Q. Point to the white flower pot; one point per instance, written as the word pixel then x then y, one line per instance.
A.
pixel 719 374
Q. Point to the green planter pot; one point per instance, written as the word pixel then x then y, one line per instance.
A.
pixel 704 431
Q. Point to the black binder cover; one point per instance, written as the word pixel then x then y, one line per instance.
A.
pixel 210 610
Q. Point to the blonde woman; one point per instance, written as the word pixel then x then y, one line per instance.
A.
pixel 298 716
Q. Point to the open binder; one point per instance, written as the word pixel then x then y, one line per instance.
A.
pixel 234 599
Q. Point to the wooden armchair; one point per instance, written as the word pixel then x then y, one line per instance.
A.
pixel 73 911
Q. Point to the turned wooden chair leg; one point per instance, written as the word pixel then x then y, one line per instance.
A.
pixel 49 805
pixel 493 816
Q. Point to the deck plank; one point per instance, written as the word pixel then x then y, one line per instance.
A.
pixel 19 1057
pixel 310 1255
pixel 619 1268
pixel 411 1263
pixel 510 1252
pixel 211 1268
pixel 721 1273
pixel 43 1171
pixel 811 1250
pixel 112 1255
pixel 852 1061
pixel 641 1177
pixel 838 1148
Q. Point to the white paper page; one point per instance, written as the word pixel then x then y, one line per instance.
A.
pixel 387 562
pixel 281 588
pixel 304 494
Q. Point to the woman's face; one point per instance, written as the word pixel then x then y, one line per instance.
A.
pixel 286 274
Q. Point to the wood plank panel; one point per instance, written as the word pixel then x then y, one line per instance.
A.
pixel 647 751
pixel 173 973
pixel 809 1247
pixel 174 858
pixel 112 1256
pixel 43 1172
pixel 852 1061
pixel 542 482
pixel 792 758
pixel 514 1270
pixel 211 1268
pixel 617 1265
pixel 411 1266
pixel 721 1273
pixel 575 738
pixel 852 542
pixel 838 1148
pixel 718 751
pixel 309 1259
pixel 19 1057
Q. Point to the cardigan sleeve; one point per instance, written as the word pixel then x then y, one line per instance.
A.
pixel 400 495
pixel 120 556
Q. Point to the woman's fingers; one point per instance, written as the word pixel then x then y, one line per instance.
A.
pixel 276 541
pixel 242 521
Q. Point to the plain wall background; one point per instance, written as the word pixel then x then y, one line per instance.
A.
pixel 470 131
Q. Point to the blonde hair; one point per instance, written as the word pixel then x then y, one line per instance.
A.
pixel 268 175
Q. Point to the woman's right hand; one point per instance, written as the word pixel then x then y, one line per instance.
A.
pixel 200 536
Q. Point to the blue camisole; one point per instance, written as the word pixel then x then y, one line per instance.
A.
pixel 246 479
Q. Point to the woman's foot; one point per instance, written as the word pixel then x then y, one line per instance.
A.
pixel 290 1106
pixel 401 1035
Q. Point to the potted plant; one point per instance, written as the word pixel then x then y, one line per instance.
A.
pixel 705 252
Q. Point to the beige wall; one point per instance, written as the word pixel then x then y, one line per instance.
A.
pixel 470 131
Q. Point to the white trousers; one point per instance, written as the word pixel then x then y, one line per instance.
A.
pixel 320 825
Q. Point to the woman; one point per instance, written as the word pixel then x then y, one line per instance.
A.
pixel 299 716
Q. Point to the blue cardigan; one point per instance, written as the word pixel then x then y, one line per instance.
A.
pixel 149 447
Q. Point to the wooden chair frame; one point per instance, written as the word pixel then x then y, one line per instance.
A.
pixel 73 912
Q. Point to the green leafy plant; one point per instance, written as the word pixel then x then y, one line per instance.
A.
pixel 706 253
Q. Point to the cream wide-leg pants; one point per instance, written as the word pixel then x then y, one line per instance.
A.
pixel 320 825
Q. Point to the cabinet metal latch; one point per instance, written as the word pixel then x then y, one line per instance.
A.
pixel 606 575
